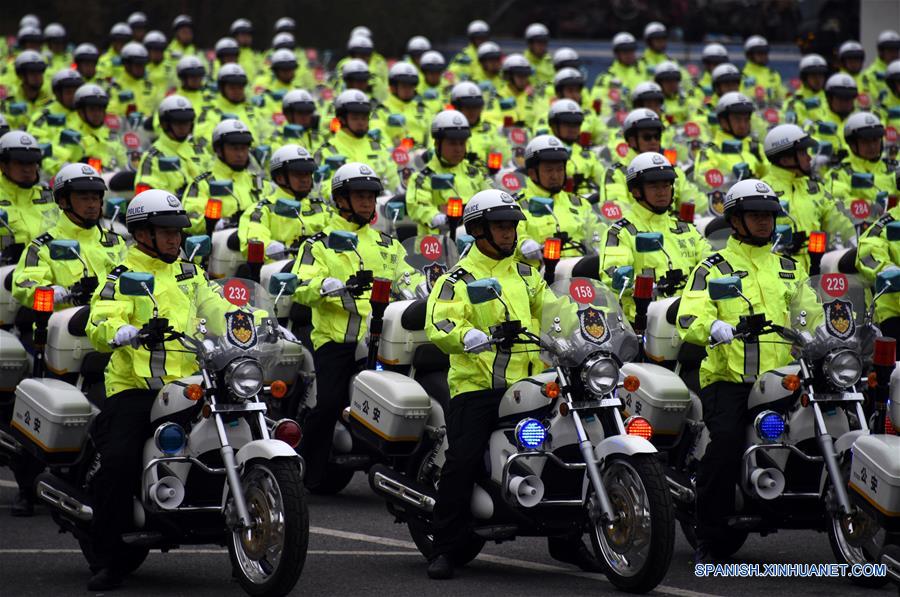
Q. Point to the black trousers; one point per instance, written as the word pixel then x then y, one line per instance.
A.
pixel 335 366
pixel 890 327
pixel 119 434
pixel 471 418
pixel 725 416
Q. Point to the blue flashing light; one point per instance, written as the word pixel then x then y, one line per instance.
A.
pixel 531 434
pixel 770 426
pixel 170 438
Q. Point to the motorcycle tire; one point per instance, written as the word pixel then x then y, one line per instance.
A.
pixel 722 547
pixel 333 481
pixel 625 479
pixel 273 490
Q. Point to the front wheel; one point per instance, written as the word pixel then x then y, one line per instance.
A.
pixel 268 555
pixel 636 549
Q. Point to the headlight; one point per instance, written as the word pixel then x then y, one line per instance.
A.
pixel 600 374
pixel 843 368
pixel 244 378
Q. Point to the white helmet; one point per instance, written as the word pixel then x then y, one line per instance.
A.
pixel 360 44
pixel 647 91
pixel 232 73
pixel 362 31
pixel 863 125
pixel 851 49
pixel 655 29
pixel 623 42
pixel 29 60
pixel 892 73
pixel 135 53
pixel 714 53
pixel 137 19
pixel 566 57
pixel 649 167
pixel 478 28
pixel 29 35
pixel 226 46
pixel 516 64
pixel 786 139
pixel 450 124
pixel 4 125
pixel 67 77
pixel 565 110
pixel 285 24
pixel 155 40
pixel 666 71
pixel 284 40
pixel 887 39
pixel 725 73
pixel 120 31
pixel 156 207
pixel 466 94
pixel 91 94
pixel 751 194
pixel 492 205
pixel 537 32
pixel 813 64
pixel 85 52
pixel 641 119
pixel 182 21
pixel 298 100
pixel 232 131
pixel 545 148
pixel 29 20
pixel 20 147
pixel 189 66
pixel 567 76
pixel 756 43
pixel 291 157
pixel 734 102
pixel 54 31
pixel 841 85
pixel 283 58
pixel 352 100
pixel 77 177
pixel 488 50
pixel 176 108
pixel 432 61
pixel 355 176
pixel 403 72
pixel 355 69
pixel 417 44
pixel 240 26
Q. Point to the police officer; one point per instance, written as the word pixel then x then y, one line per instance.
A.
pixel 302 122
pixel 711 56
pixel 878 252
pixel 242 31
pixel 432 87
pixel 232 100
pixel 416 46
pixel 28 203
pixel 650 180
pixel 807 102
pixel 841 92
pixel 292 168
pixel 731 143
pixel 566 120
pixel 626 70
pixel 402 104
pixel 155 170
pixel 467 98
pixel 727 373
pixel 109 66
pixel 426 205
pixel 888 46
pixel 537 36
pixel 464 62
pixel 486 72
pixel 100 145
pixel 656 39
pixel 516 97
pixel 64 83
pixel 226 50
pixel 58 56
pixel 132 91
pixel 85 57
pixel 182 43
pixel 28 94
pixel 135 375
pixel 191 73
pixel 760 82
pixel 160 72
pixel 138 23
pixel 340 305
pixel 679 103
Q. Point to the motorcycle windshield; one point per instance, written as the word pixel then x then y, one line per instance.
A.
pixel 828 312
pixel 585 318
pixel 429 257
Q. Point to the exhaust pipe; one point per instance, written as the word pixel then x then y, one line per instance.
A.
pixel 397 487
pixel 767 483
pixel 527 491
pixel 167 493
pixel 482 505
pixel 59 495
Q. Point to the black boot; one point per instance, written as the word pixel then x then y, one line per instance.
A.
pixel 23 506
pixel 104 580
pixel 702 554
pixel 573 551
pixel 440 568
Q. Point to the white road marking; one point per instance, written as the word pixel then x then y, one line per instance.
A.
pixel 5 483
pixel 514 563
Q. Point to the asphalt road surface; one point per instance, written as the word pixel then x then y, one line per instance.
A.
pixel 357 549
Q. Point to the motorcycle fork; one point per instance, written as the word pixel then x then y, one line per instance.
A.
pixel 607 514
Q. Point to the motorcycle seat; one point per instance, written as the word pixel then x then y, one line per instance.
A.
pixel 78 323
pixel 718 223
pixel 7 281
pixel 233 242
pixel 587 267
pixel 122 181
pixel 847 262
pixel 413 318
pixel 672 311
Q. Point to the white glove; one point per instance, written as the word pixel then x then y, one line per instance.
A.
pixel 60 294
pixel 287 334
pixel 439 220
pixel 275 248
pixel 331 285
pixel 125 334
pixel 475 341
pixel 531 250
pixel 721 332
pixel 220 225
pixel 890 268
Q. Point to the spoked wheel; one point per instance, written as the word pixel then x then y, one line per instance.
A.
pixel 728 543
pixel 269 554
pixel 853 541
pixel 636 549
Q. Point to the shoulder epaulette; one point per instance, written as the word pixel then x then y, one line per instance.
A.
pixel 188 271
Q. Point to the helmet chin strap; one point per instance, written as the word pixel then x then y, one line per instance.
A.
pixel 78 219
pixel 748 238
pixel 657 210
pixel 552 190
pixel 154 248
pixel 489 237
pixel 354 217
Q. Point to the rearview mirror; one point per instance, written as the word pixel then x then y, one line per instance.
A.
pixel 862 180
pixel 622 276
pixel 69 137
pixel 172 164
pixel 731 146
pixel 292 131
pixel 484 290
pixel 441 182
pixel 136 284
pixel 725 288
pixel 287 208
pixel 112 203
pixel 335 161
pixel 741 170
pixel 342 240
pixel 4 217
pixel 220 188
pixel 283 279
pixel 893 231
pixel 647 242
pixel 395 209
pixel 824 148
pixel 888 282
pixel 540 206
pixel 198 245
pixel 784 233
pixel 260 152
pixel 463 241
pixel 64 250
pixel 396 120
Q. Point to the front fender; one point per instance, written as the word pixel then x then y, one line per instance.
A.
pixel 627 445
pixel 266 449
pixel 841 446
